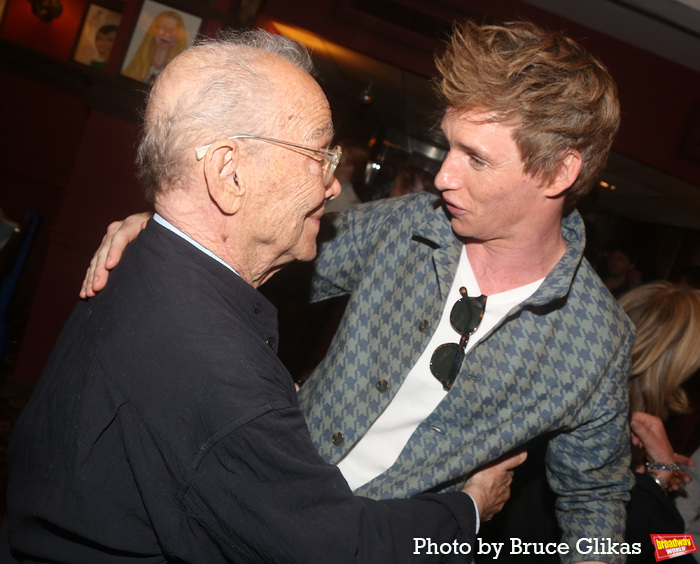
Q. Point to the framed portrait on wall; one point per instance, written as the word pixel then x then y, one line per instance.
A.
pixel 97 35
pixel 2 9
pixel 161 33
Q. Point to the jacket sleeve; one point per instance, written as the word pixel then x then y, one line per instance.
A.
pixel 345 242
pixel 588 466
pixel 262 494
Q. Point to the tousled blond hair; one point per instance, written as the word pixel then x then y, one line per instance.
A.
pixel 557 95
pixel 667 350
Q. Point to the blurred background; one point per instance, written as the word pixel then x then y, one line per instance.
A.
pixel 70 105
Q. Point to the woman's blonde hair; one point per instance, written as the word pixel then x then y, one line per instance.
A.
pixel 143 57
pixel 667 350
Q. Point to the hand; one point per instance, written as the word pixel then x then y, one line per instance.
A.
pixel 489 486
pixel 648 432
pixel 119 235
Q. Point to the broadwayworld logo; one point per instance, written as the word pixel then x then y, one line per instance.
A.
pixel 670 546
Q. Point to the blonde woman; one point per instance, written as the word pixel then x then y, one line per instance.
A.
pixel 667 350
pixel 665 355
pixel 165 38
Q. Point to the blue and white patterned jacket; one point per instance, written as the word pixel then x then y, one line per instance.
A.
pixel 558 363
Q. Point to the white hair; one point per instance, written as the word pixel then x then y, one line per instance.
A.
pixel 231 93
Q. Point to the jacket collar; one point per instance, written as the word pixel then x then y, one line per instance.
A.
pixel 436 231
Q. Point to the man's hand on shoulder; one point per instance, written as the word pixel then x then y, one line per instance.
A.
pixel 119 235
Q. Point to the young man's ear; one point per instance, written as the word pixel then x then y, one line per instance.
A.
pixel 566 175
pixel 220 165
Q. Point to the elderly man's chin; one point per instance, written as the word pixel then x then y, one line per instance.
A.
pixel 306 246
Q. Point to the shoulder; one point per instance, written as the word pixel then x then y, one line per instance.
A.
pixel 402 210
pixel 586 296
pixel 173 313
pixel 591 294
pixel 390 218
pixel 420 204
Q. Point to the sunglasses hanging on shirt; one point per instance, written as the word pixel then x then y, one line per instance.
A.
pixel 465 317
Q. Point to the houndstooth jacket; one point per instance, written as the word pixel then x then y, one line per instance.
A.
pixel 557 364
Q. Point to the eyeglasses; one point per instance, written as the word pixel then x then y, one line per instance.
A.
pixel 329 158
pixel 465 317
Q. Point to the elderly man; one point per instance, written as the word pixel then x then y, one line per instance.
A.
pixel 474 324
pixel 164 427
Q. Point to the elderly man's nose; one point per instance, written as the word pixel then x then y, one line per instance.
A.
pixel 333 189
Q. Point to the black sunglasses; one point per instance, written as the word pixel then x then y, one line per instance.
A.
pixel 465 318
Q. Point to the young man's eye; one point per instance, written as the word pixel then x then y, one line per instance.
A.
pixel 476 162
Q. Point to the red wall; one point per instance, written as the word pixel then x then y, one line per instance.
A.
pixel 53 38
pixel 101 189
pixel 67 151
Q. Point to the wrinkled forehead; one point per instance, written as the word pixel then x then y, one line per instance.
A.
pixel 299 103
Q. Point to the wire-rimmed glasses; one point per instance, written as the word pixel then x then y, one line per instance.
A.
pixel 329 158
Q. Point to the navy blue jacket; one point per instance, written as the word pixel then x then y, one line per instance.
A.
pixel 165 428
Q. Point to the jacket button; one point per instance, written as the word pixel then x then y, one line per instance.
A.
pixel 338 438
pixel 382 386
pixel 257 306
pixel 423 325
pixel 271 342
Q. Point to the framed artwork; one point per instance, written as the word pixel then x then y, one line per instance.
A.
pixel 97 36
pixel 161 33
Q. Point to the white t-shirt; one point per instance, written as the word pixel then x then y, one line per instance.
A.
pixel 421 392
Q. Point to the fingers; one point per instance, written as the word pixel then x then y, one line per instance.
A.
pixel 96 275
pixel 636 441
pixel 506 462
pixel 489 486
pixel 644 423
pixel 110 252
pixel 513 460
pixel 86 289
pixel 650 431
pixel 684 460
pixel 119 235
pixel 679 477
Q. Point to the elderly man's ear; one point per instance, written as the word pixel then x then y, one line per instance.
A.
pixel 220 165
